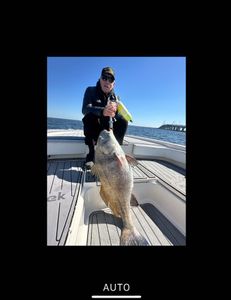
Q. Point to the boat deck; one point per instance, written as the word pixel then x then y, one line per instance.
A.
pixel 65 180
pixel 105 229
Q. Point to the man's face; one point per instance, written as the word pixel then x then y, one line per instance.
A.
pixel 107 83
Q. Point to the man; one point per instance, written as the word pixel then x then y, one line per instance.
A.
pixel 98 106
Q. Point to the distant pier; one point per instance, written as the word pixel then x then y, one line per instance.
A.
pixel 173 127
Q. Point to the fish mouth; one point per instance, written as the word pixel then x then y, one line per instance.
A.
pixel 105 144
pixel 104 134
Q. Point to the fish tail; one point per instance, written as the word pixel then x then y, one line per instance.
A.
pixel 132 237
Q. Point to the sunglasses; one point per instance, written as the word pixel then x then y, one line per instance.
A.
pixel 109 78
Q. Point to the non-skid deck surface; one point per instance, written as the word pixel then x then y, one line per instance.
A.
pixel 105 229
pixel 172 175
pixel 149 169
pixel 64 182
pixel 63 186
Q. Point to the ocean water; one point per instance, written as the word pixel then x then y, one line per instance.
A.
pixel 175 137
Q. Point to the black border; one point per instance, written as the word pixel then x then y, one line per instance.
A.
pixel 138 266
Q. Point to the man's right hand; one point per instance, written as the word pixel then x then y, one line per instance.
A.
pixel 110 110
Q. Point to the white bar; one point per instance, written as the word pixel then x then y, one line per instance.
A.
pixel 116 296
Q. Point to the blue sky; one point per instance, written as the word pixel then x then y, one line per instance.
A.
pixel 152 88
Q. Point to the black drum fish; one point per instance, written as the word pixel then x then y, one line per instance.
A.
pixel 113 168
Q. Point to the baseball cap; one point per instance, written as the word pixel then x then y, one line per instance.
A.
pixel 108 70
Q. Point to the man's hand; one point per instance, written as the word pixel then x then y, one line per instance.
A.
pixel 110 109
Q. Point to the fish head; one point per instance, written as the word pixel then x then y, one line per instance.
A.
pixel 107 143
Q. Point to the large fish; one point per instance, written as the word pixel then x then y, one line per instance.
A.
pixel 115 174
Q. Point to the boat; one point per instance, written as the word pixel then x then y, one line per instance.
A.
pixel 76 214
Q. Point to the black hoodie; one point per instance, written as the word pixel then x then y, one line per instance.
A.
pixel 95 100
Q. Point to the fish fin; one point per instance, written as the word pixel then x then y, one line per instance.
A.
pixel 114 210
pixel 131 237
pixel 131 160
pixel 109 203
pixel 120 159
pixel 103 195
pixel 94 170
pixel 133 201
